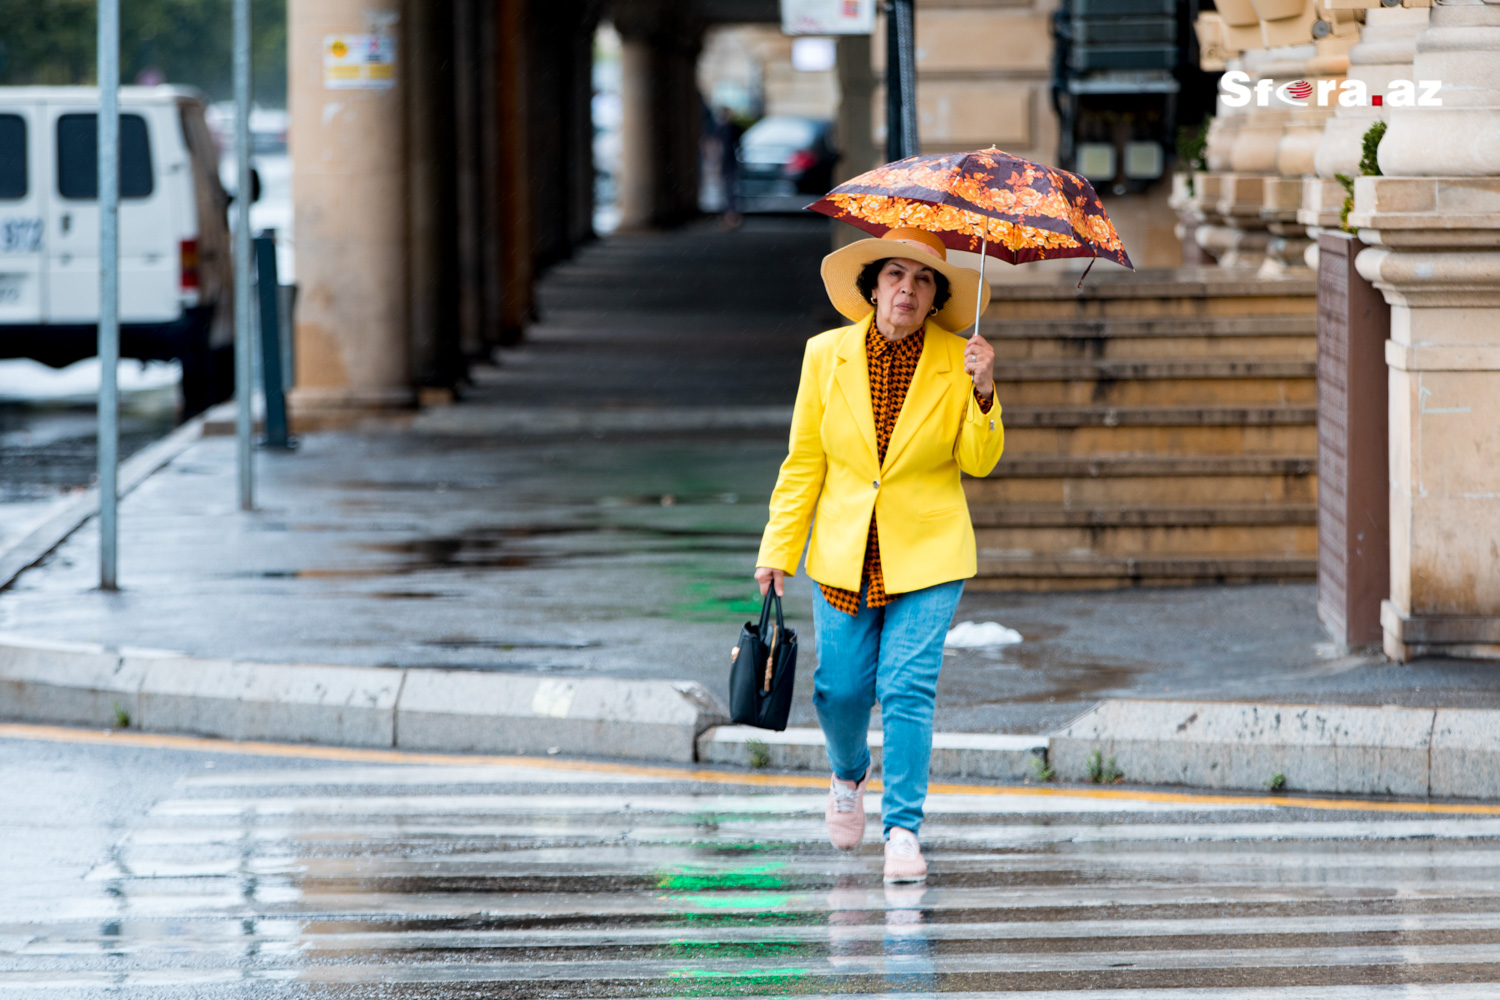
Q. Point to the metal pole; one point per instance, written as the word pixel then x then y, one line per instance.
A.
pixel 244 337
pixel 900 80
pixel 108 144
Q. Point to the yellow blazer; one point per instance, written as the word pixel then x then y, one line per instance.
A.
pixel 926 537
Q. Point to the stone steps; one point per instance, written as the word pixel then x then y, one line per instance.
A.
pixel 1049 383
pixel 1153 294
pixel 1095 572
pixel 1021 516
pixel 1160 430
pixel 1239 338
pixel 1097 483
pixel 1149 540
pixel 1151 437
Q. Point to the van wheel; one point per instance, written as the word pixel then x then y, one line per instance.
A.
pixel 207 372
pixel 195 378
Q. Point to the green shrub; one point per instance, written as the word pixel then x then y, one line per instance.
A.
pixel 1369 166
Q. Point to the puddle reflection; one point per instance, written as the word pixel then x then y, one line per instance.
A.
pixel 909 968
pixel 902 962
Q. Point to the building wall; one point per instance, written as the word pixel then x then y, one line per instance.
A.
pixel 982 73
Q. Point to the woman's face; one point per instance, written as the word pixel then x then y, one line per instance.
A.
pixel 903 295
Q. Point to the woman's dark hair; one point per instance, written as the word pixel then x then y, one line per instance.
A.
pixel 870 277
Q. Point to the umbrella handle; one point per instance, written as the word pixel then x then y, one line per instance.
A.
pixel 1086 270
pixel 984 235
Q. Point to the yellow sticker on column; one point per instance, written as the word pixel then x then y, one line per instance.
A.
pixel 359 62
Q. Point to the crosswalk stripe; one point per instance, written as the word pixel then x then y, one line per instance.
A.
pixel 1069 930
pixel 268 932
pixel 1201 871
pixel 768 804
pixel 1226 958
pixel 413 878
pixel 152 984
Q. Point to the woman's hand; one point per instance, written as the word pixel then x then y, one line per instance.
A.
pixel 765 576
pixel 979 362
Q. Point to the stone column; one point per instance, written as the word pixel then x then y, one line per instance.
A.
pixel 1228 206
pixel 510 164
pixel 1296 155
pixel 1213 56
pixel 436 361
pixel 1387 46
pixel 679 183
pixel 856 121
pixel 349 189
pixel 1241 159
pixel 856 125
pixel 637 187
pixel 1241 26
pixel 660 112
pixel 1252 193
pixel 1435 216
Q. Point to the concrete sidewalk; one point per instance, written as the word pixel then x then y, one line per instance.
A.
pixel 562 560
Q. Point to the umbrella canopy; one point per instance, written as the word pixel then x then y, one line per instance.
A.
pixel 986 201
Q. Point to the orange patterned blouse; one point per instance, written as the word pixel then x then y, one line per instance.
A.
pixel 892 366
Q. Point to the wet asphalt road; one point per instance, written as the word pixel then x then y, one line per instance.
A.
pixel 150 870
pixel 50 449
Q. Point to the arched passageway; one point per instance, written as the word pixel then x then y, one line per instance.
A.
pixel 430 198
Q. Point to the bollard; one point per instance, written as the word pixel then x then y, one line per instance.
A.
pixel 269 286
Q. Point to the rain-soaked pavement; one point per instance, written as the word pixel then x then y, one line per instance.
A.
pixel 138 868
pixel 48 446
pixel 593 507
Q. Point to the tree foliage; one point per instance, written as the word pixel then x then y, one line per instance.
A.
pixel 187 41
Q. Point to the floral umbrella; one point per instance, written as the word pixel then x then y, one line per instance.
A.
pixel 986 201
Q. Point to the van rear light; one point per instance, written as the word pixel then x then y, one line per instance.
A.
pixel 189 265
pixel 802 159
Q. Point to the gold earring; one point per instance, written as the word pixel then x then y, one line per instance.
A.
pixel 932 311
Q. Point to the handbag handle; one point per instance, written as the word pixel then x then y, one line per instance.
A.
pixel 765 610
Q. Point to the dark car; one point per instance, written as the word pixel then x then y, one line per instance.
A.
pixel 785 161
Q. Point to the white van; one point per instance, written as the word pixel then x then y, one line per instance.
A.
pixel 176 277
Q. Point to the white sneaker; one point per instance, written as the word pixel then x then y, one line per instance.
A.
pixel 903 857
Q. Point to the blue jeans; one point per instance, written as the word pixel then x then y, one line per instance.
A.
pixel 892 653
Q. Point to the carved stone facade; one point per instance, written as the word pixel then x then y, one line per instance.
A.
pixel 1434 221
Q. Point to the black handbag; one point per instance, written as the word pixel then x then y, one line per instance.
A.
pixel 764 670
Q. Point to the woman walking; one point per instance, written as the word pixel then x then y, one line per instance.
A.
pixel 889 411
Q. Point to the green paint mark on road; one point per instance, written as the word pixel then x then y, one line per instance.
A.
pixel 749 901
pixel 712 950
pixel 762 876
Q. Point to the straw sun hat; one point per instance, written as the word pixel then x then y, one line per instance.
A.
pixel 842 267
